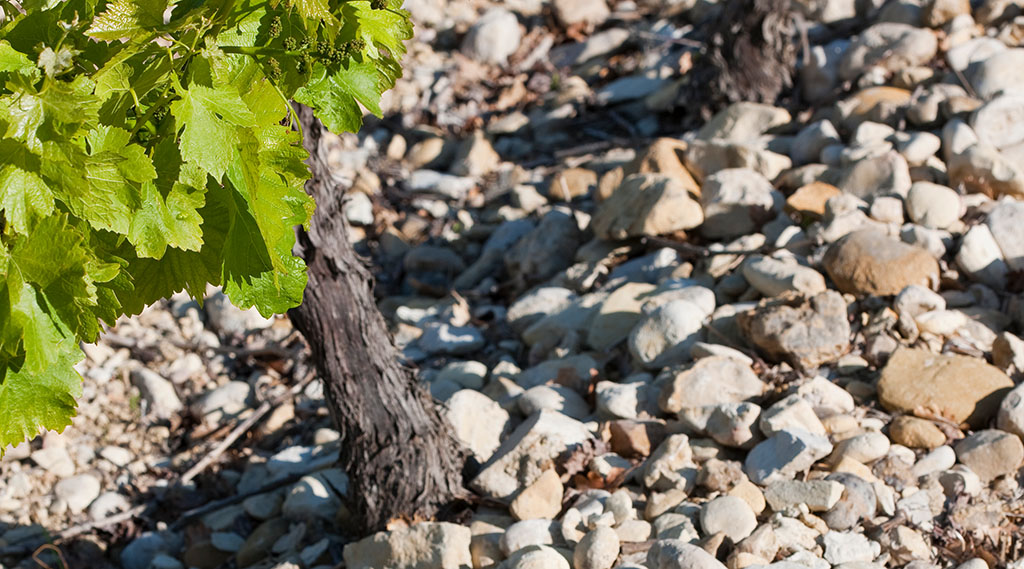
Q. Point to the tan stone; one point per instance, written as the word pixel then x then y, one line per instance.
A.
pixel 665 156
pixel 870 262
pixel 647 204
pixel 635 439
pixel 617 316
pixel 810 199
pixel 540 500
pixel 571 183
pixel 916 433
pixel 959 388
pixel 751 494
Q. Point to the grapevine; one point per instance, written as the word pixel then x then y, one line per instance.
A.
pixel 145 149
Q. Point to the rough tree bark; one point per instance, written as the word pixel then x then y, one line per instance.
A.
pixel 750 55
pixel 400 453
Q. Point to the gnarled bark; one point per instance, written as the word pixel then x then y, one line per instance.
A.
pixel 401 455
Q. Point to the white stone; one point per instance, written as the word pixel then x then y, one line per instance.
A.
pixel 158 393
pixel 791 412
pixel 478 420
pixel 932 205
pixel 664 337
pixel 772 277
pixel 784 455
pixel 980 257
pixel 728 514
pixel 733 200
pixel 525 454
pixel 493 37
pixel 437 545
pixel 942 458
pixel 818 495
pixel 78 491
pixel 848 547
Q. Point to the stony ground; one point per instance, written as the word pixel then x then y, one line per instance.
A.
pixel 784 339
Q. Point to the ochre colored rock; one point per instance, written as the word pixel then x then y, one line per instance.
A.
pixel 959 388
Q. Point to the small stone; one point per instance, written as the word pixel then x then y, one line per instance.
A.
pixel 553 398
pixel 440 338
pixel 263 506
pixel 791 412
pixel 261 541
pixel 159 393
pixel 527 533
pixel 572 183
pixel 743 121
pixel 1000 122
pixel 647 204
pixel 1006 221
pixel 228 542
pixel 359 209
pixel 540 500
pixel 883 175
pixel 586 12
pixel 475 156
pixel 439 545
pixel 960 388
pixel 809 142
pixel 108 504
pixel 469 374
pixel 597 550
pixel 671 465
pixel 857 502
pixel 869 262
pixel 665 336
pixel 916 433
pixel 818 495
pixel 889 46
pixel 78 491
pixel 311 497
pixel 734 425
pixel 54 459
pixel 998 73
pixel 932 205
pixel 478 420
pixel 617 316
pixel 939 12
pixel 805 333
pixel 730 515
pixel 678 554
pixel 493 37
pixel 810 199
pixel 772 277
pixel 864 448
pixel 535 557
pixel 942 458
pixel 980 257
pixel 825 397
pixel 783 456
pixel 991 453
pixel 710 381
pixel 982 168
pixel 139 554
pixel 523 456
pixel 223 402
pixel 848 547
pixel 736 202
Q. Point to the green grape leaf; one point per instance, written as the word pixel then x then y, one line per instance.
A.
pixel 210 117
pixel 23 193
pixel 381 29
pixel 335 95
pixel 53 259
pixel 38 388
pixel 12 60
pixel 128 19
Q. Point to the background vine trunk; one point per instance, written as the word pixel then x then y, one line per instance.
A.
pixel 399 451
